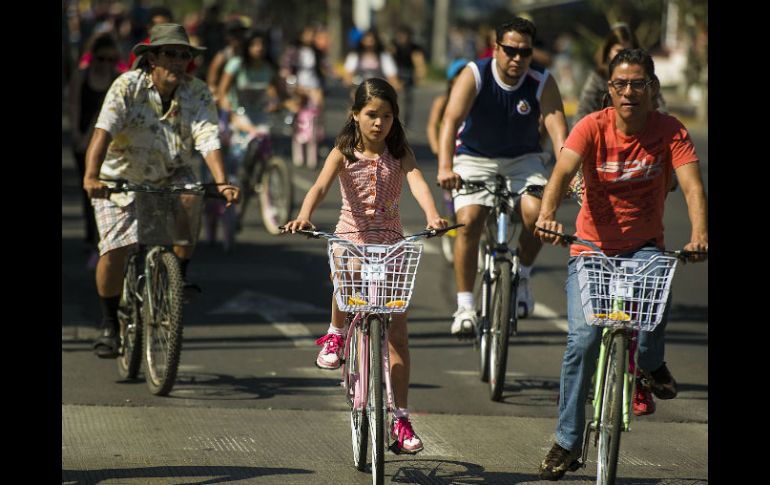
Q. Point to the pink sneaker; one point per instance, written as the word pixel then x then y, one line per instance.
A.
pixel 406 441
pixel 330 355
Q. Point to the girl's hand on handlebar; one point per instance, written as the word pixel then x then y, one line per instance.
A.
pixel 547 237
pixel 299 223
pixel 436 223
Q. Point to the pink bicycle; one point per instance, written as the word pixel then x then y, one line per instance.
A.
pixel 371 281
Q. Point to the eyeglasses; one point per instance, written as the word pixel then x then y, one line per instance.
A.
pixel 637 85
pixel 513 51
pixel 173 55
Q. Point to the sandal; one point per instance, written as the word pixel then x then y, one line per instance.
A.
pixel 106 346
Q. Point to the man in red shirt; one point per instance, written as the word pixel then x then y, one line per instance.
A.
pixel 628 154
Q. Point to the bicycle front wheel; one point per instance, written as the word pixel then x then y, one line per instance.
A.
pixel 163 322
pixel 481 296
pixel 276 194
pixel 376 411
pixel 354 387
pixel 130 320
pixel 611 417
pixel 499 328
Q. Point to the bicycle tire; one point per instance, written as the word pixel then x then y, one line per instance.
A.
pixel 130 320
pixel 163 332
pixel 359 424
pixel 499 328
pixel 481 293
pixel 376 412
pixel 276 194
pixel 611 416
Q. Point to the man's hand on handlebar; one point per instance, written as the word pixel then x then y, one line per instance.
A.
pixel 448 179
pixel 95 188
pixel 437 223
pixel 230 192
pixel 700 248
pixel 548 237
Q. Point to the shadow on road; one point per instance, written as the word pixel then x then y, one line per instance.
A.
pixel 206 474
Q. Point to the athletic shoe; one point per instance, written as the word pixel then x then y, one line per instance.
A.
pixel 464 323
pixel 525 298
pixel 405 439
pixel 330 356
pixel 558 461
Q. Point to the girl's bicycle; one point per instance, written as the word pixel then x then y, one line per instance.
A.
pixel 150 309
pixel 496 288
pixel 371 281
pixel 624 296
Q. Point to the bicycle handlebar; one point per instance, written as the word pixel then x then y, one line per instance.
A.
pixel 123 186
pixel 681 254
pixel 427 233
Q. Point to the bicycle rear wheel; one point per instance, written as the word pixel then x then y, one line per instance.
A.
pixel 499 328
pixel 275 194
pixel 376 412
pixel 162 325
pixel 359 424
pixel 611 417
pixel 130 320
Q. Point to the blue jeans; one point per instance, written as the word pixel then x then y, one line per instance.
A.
pixel 582 352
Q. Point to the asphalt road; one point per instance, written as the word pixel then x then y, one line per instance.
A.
pixel 249 405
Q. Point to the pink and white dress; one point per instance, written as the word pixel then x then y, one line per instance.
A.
pixel 371 190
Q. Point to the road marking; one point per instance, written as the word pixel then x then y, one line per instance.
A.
pixel 301 183
pixel 547 313
pixel 278 311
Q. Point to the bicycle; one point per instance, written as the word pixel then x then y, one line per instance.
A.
pixel 624 296
pixel 150 308
pixel 371 281
pixel 496 288
pixel 267 176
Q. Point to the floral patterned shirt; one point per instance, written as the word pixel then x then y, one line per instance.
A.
pixel 149 145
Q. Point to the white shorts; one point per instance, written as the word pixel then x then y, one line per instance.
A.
pixel 521 172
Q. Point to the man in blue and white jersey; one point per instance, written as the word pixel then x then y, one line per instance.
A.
pixel 492 125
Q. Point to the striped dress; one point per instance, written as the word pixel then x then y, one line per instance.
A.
pixel 371 190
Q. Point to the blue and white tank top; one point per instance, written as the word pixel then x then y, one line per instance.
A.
pixel 504 120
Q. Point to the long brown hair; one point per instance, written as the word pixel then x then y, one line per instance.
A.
pixel 349 137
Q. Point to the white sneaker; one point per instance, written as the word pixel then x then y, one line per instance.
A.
pixel 330 356
pixel 525 298
pixel 464 321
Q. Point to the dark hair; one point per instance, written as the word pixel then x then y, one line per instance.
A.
pixel 377 41
pixel 159 10
pixel 266 55
pixel 100 41
pixel 620 34
pixel 518 24
pixel 638 57
pixel 349 138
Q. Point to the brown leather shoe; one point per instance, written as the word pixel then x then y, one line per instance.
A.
pixel 662 383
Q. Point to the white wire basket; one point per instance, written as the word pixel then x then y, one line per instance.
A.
pixel 624 292
pixel 374 278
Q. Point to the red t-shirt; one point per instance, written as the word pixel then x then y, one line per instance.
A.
pixel 626 179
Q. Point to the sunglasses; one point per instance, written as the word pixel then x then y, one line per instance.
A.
pixel 513 51
pixel 637 85
pixel 173 55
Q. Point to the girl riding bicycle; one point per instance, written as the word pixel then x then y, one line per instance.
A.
pixel 371 156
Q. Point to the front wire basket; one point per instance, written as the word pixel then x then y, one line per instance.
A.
pixel 624 292
pixel 168 218
pixel 373 277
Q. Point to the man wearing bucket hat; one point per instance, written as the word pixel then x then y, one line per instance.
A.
pixel 152 120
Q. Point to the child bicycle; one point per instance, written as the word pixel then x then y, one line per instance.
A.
pixel 150 308
pixel 371 281
pixel 624 296
pixel 496 289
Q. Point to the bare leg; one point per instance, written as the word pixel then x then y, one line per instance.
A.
pixel 109 271
pixel 467 244
pixel 529 244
